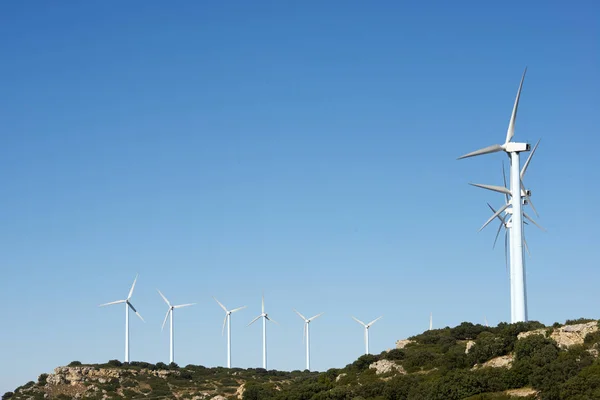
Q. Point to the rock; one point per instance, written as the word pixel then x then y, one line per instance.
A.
pixel 470 344
pixel 219 397
pixel 385 366
pixel 499 362
pixel 240 391
pixel 569 335
pixel 340 376
pixel 400 344
pixel 523 392
pixel 524 335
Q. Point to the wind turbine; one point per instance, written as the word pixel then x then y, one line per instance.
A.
pixel 128 305
pixel 265 317
pixel 430 321
pixel 227 321
pixel 516 197
pixel 306 334
pixel 170 312
pixel 367 326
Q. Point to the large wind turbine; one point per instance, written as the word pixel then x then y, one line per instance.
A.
pixel 306 334
pixel 265 317
pixel 170 312
pixel 367 326
pixel 127 306
pixel 518 197
pixel 227 321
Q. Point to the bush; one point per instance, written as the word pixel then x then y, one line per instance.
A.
pixel 578 321
pixel 115 363
pixel 161 365
pixel 173 366
pixel 42 379
pixel 7 395
pixel 74 364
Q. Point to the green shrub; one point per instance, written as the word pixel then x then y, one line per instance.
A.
pixel 74 364
pixel 7 395
pixel 42 379
pixel 115 363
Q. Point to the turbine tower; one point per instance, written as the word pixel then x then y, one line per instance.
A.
pixel 517 196
pixel 367 326
pixel 430 321
pixel 170 312
pixel 227 321
pixel 265 317
pixel 128 305
pixel 306 334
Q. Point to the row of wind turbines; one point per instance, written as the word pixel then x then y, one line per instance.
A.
pixel 512 217
pixel 226 323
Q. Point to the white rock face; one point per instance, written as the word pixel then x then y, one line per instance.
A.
pixel 385 366
pixel 470 344
pixel 568 335
pixel 400 344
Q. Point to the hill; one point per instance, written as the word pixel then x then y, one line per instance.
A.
pixel 523 360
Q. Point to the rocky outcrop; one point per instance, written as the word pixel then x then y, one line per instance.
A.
pixel 385 366
pixel 523 392
pixel 470 344
pixel 400 344
pixel 500 362
pixel 77 375
pixel 566 336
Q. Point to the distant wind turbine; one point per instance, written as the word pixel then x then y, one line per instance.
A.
pixel 265 317
pixel 430 321
pixel 227 321
pixel 306 334
pixel 170 312
pixel 367 326
pixel 128 305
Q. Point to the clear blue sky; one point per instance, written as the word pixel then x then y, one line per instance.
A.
pixel 306 149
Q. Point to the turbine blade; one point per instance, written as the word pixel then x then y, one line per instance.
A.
pixel 497 234
pixel 525 243
pixel 528 198
pixel 184 305
pixel 499 189
pixel 135 311
pixel 222 306
pixel 504 207
pixel 532 206
pixel 224 322
pixel 112 302
pixel 494 211
pixel 301 316
pixel 304 333
pixel 254 320
pixel 511 125
pixel 486 150
pixel 164 298
pixel 524 169
pixel 316 316
pixel 238 309
pixel 263 303
pixel 375 320
pixel 132 286
pixel 532 221
pixel 359 321
pixel 165 321
pixel 504 180
pixel 271 319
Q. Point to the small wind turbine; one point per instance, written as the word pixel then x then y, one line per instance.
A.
pixel 227 321
pixel 128 305
pixel 265 317
pixel 518 197
pixel 430 321
pixel 367 326
pixel 170 312
pixel 306 334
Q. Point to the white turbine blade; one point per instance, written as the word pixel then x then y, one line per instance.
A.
pixel 528 198
pixel 532 221
pixel 499 217
pixel 301 316
pixel 526 246
pixel 132 286
pixel 498 233
pixel 504 180
pixel 112 302
pixel 222 306
pixel 359 321
pixel 184 305
pixel 164 298
pixel 223 329
pixel 511 125
pixel 375 320
pixel 238 309
pixel 165 321
pixel 254 320
pixel 263 303
pixel 494 216
pixel 486 150
pixel 316 316
pixel 135 311
pixel 304 333
pixel 498 189
pixel 271 319
pixel 524 169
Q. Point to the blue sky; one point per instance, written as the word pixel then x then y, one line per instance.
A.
pixel 307 150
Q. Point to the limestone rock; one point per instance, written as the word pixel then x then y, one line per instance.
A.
pixel 340 376
pixel 400 344
pixel 470 344
pixel 385 366
pixel 500 362
pixel 219 397
pixel 523 392
pixel 240 391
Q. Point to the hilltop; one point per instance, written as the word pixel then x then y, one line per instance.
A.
pixel 522 360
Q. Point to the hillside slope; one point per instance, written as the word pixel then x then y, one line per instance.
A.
pixel 524 360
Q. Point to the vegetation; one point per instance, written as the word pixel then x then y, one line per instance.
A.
pixel 435 365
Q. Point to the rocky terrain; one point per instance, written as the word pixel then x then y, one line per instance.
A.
pixel 525 360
